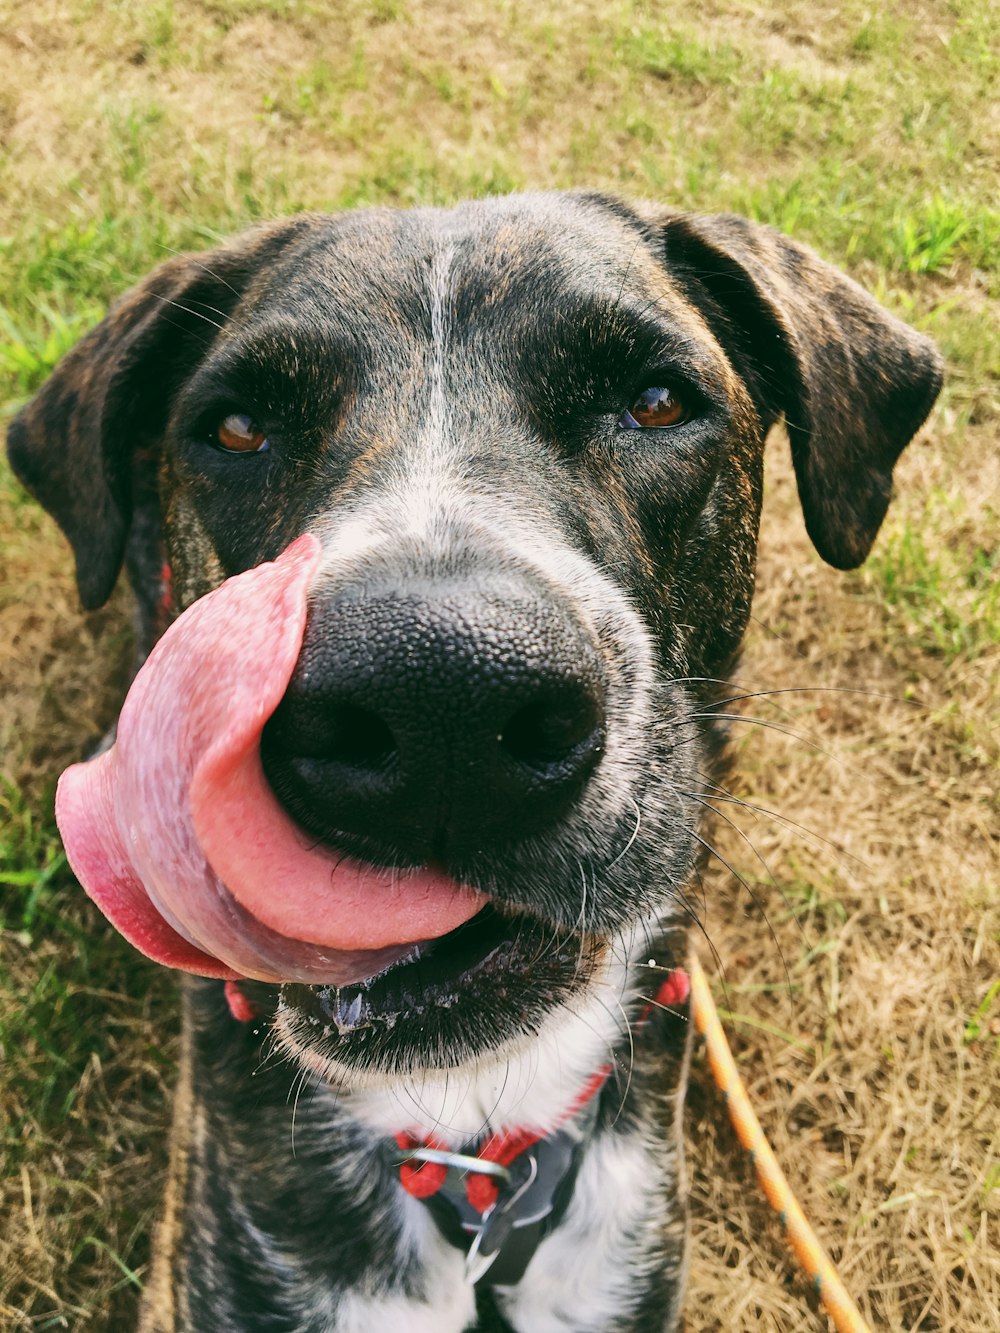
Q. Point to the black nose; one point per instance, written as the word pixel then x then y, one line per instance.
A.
pixel 429 722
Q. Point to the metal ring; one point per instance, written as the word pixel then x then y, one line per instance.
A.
pixel 461 1161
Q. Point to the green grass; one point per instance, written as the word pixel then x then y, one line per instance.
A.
pixel 31 350
pixel 878 35
pixel 984 1022
pixel 672 55
pixel 930 241
pixel 944 598
pixel 31 862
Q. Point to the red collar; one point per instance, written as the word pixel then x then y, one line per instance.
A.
pixel 422 1178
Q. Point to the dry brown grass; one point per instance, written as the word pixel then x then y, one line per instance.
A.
pixel 855 959
pixel 882 1111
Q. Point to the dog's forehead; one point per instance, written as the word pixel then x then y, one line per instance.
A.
pixel 385 271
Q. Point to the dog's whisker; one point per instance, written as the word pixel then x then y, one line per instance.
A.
pixel 629 1060
pixel 712 851
pixel 766 724
pixel 767 869
pixel 424 1113
pixel 204 268
pixel 718 793
pixel 198 336
pixel 188 310
pixel 489 1119
pixel 632 838
pixel 772 694
pixel 295 1092
pixel 769 723
pixel 581 920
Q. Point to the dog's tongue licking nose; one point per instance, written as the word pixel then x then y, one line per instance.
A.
pixel 179 840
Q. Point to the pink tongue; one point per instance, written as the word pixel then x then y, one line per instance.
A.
pixel 177 837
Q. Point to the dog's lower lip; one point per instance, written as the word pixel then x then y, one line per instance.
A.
pixel 433 973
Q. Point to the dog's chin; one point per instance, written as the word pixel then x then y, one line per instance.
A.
pixel 477 991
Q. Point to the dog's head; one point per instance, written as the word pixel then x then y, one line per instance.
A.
pixel 528 433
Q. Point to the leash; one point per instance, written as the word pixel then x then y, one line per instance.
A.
pixel 846 1316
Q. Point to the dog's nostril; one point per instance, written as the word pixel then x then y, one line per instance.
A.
pixel 346 734
pixel 542 734
pixel 357 737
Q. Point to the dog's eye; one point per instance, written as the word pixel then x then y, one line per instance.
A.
pixel 239 435
pixel 655 408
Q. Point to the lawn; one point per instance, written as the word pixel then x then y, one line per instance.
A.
pixel 852 911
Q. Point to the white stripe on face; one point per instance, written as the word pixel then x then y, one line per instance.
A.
pixel 418 497
pixel 425 495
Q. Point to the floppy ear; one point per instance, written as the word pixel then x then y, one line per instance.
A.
pixel 73 445
pixel 853 383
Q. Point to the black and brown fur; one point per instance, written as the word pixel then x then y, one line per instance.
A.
pixel 514 332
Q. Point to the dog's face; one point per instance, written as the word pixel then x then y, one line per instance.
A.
pixel 528 433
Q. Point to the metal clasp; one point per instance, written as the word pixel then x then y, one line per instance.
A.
pixel 497 1224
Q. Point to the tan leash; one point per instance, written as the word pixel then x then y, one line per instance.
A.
pixel 846 1316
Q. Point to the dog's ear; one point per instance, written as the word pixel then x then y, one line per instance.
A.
pixel 73 445
pixel 854 383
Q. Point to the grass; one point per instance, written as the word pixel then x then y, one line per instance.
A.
pixel 867 1023
pixel 30 860
pixel 32 349
pixel 945 599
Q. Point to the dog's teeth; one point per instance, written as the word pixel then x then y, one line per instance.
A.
pixel 347 1016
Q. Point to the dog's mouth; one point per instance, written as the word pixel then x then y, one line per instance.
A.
pixel 434 973
pixel 495 976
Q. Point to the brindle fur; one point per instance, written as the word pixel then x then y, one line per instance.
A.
pixel 281 1206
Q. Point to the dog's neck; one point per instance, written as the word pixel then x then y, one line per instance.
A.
pixel 529 1087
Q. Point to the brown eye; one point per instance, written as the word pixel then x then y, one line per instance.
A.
pixel 653 409
pixel 239 435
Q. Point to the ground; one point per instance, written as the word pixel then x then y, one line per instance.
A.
pixel 851 918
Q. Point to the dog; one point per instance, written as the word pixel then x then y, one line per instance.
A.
pixel 527 434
